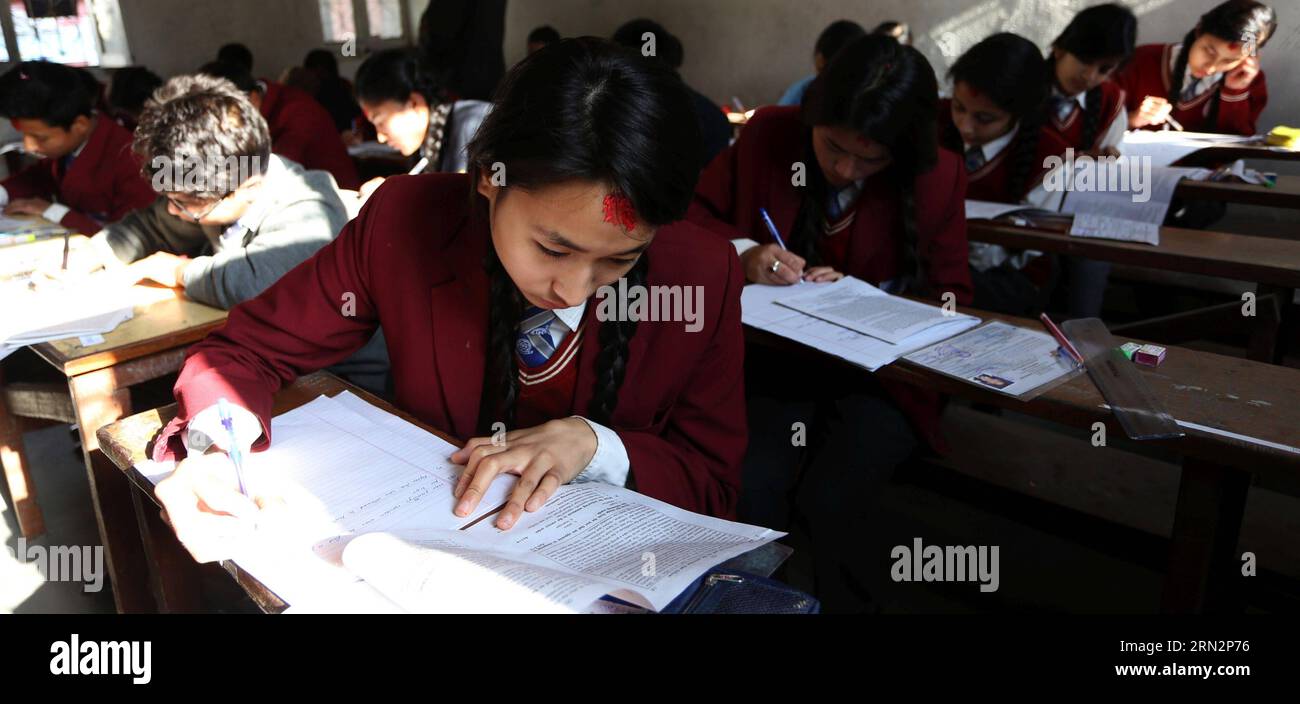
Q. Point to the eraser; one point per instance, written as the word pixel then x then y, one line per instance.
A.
pixel 1149 355
pixel 1128 348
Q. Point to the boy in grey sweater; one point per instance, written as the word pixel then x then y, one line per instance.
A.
pixel 231 218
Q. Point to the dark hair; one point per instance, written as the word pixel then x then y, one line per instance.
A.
pixel 897 30
pixel 668 48
pixel 888 93
pixel 46 91
pixel 131 87
pixel 587 110
pixel 394 74
pixel 836 36
pixel 322 63
pixel 1233 21
pixel 232 72
pixel 1096 33
pixel 544 35
pixel 237 54
pixel 1007 68
pixel 205 121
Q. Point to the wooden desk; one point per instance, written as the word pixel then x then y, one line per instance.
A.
pixel 1273 265
pixel 98 378
pixel 1284 194
pixel 1223 154
pixel 170 571
pixel 1235 395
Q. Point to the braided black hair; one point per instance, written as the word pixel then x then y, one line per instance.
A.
pixel 1231 21
pixel 887 92
pixel 1007 68
pixel 583 110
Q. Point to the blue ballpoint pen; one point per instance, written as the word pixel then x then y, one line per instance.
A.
pixel 771 227
pixel 236 456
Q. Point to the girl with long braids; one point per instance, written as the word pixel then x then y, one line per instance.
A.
pixel 485 285
pixel 855 182
pixel 1086 109
pixel 1211 81
pixel 994 119
pixel 1085 112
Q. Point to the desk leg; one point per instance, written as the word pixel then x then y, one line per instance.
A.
pixel 1204 566
pixel 1265 343
pixel 175 575
pixel 17 471
pixel 110 495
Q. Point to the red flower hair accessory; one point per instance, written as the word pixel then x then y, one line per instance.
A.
pixel 619 210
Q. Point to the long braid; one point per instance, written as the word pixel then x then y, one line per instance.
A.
pixel 500 381
pixel 1091 119
pixel 911 264
pixel 1024 160
pixel 809 224
pixel 1180 69
pixel 611 363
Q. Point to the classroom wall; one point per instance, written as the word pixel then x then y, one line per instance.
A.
pixel 754 49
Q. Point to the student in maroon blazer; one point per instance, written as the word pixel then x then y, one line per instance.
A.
pixel 301 130
pixel 881 202
pixel 470 291
pixel 1211 81
pixel 87 176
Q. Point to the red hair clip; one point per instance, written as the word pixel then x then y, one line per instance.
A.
pixel 619 210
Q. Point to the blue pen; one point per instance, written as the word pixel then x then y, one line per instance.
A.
pixel 236 456
pixel 771 227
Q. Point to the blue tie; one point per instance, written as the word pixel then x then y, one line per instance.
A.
pixel 534 342
pixel 974 158
pixel 1062 107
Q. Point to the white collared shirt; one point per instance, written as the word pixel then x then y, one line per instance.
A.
pixel 991 149
pixel 1199 85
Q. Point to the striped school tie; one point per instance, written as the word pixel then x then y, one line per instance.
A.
pixel 534 342
pixel 1062 107
pixel 974 159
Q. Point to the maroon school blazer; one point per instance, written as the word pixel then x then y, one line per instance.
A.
pixel 755 172
pixel 413 260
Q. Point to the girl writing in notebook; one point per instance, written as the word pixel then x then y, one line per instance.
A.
pixel 855 183
pixel 1210 81
pixel 486 283
pixel 994 119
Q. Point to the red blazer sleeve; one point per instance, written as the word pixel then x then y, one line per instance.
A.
pixel 295 327
pixel 35 181
pixel 714 202
pixel 1239 112
pixel 695 461
pixel 941 227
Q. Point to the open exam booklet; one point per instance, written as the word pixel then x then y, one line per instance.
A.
pixel 366 525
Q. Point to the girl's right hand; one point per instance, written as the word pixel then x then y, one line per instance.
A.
pixel 757 263
pixel 202 503
pixel 1152 111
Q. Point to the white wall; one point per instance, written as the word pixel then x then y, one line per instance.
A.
pixel 755 48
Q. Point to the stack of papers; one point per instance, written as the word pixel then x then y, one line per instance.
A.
pixel 1170 146
pixel 20 230
pixel 366 525
pixel 34 317
pixel 850 319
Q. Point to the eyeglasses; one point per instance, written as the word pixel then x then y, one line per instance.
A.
pixel 196 218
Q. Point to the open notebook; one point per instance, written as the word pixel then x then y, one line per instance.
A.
pixel 366 525
pixel 850 319
pixel 33 317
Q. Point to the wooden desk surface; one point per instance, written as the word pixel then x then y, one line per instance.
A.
pixel 1222 154
pixel 164 319
pixel 1260 260
pixel 1284 194
pixel 1226 393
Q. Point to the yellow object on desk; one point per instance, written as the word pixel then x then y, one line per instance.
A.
pixel 1282 136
